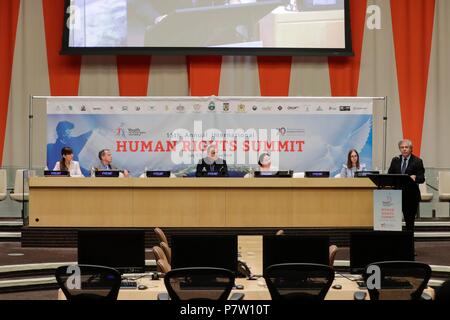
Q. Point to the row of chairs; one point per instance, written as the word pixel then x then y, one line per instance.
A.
pixel 163 252
pixel 284 281
pixel 291 281
pixel 19 194
pixel 281 279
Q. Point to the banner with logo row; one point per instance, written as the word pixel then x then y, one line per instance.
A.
pixel 173 133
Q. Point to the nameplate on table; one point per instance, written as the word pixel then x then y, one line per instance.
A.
pixel 317 174
pixel 213 174
pixel 365 174
pixel 56 173
pixel 107 174
pixel 274 174
pixel 158 174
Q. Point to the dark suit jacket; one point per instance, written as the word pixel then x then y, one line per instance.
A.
pixel 111 167
pixel 411 197
pixel 415 168
pixel 218 165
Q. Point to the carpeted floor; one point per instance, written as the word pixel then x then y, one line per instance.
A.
pixel 31 295
pixel 436 253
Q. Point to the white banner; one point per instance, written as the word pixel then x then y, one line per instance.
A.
pixel 210 105
pixel 387 206
pixel 172 133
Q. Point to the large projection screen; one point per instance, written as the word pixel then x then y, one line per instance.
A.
pixel 234 27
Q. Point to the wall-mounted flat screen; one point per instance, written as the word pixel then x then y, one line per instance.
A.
pixel 233 27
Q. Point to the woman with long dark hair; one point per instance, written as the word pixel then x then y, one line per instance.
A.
pixel 68 164
pixel 353 165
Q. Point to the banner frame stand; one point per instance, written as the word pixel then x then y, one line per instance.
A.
pixel 32 98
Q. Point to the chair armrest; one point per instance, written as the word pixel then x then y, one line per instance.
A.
pixel 163 296
pixel 359 295
pixel 425 296
pixel 237 296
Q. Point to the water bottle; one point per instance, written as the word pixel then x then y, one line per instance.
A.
pixel 92 172
pixel 251 173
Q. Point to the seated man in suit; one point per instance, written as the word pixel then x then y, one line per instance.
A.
pixel 105 158
pixel 409 164
pixel 212 163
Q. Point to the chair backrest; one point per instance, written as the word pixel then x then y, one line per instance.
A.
pixel 159 253
pixel 423 188
pixel 332 253
pixel 3 182
pixel 298 281
pixel 161 236
pixel 94 283
pixel 400 280
pixel 167 251
pixel 199 283
pixel 332 249
pixel 19 181
pixel 163 265
pixel 443 292
pixel 425 195
pixel 444 182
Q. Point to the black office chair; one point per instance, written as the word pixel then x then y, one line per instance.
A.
pixel 161 236
pixel 94 282
pixel 199 284
pixel 443 292
pixel 400 280
pixel 298 281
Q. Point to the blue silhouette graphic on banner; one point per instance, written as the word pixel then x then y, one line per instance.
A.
pixel 65 139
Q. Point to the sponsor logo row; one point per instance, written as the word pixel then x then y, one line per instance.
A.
pixel 224 107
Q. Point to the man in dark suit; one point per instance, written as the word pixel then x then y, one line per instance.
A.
pixel 409 164
pixel 105 157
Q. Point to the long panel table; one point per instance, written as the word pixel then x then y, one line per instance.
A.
pixel 200 202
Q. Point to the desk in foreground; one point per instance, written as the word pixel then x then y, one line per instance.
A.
pixel 207 202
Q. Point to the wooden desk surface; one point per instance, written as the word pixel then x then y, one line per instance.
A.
pixel 64 182
pixel 200 202
pixel 253 290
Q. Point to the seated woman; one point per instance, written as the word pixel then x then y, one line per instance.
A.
pixel 68 164
pixel 212 163
pixel 353 165
pixel 264 163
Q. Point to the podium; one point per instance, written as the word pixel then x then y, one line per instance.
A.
pixel 392 181
pixel 387 201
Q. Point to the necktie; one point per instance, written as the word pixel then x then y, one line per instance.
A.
pixel 403 166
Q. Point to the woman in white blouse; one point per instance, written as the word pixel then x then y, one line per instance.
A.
pixel 68 164
pixel 353 165
pixel 265 164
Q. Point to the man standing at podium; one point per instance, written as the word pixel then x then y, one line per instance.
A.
pixel 409 164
